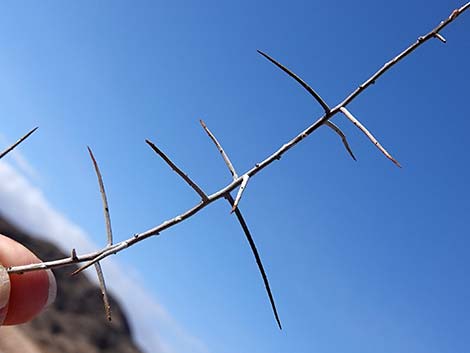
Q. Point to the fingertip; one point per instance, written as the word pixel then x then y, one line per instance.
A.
pixel 4 293
pixel 29 292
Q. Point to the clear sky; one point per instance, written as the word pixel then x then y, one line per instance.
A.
pixel 363 257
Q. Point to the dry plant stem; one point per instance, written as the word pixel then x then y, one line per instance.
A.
pixel 177 170
pixel 343 137
pixel 115 248
pixel 257 257
pixel 221 150
pixel 104 199
pixel 366 132
pixel 9 149
pixel 104 293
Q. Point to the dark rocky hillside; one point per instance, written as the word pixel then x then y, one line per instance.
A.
pixel 75 323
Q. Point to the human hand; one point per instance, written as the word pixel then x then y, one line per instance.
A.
pixel 24 296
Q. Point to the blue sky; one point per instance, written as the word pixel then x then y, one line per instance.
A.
pixel 361 256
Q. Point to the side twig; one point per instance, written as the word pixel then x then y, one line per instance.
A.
pixel 109 231
pixel 366 132
pixel 221 150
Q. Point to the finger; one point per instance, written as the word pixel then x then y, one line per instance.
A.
pixel 30 292
pixel 4 293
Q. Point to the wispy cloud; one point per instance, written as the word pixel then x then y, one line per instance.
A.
pixel 25 204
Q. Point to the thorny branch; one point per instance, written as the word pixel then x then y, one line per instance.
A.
pixel 94 257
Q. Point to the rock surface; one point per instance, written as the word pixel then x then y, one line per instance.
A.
pixel 75 323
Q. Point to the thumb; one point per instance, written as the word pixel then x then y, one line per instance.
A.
pixel 4 293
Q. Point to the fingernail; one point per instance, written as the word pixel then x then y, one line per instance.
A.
pixel 52 288
pixel 4 293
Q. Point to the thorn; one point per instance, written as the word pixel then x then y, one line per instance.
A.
pixel 440 37
pixel 304 84
pixel 9 149
pixel 255 252
pixel 104 199
pixel 245 179
pixel 366 132
pixel 342 136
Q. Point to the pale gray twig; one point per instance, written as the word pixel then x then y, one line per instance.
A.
pixel 104 199
pixel 178 171
pixel 9 149
pixel 366 132
pixel 221 150
pixel 387 66
pixel 109 233
pixel 104 293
